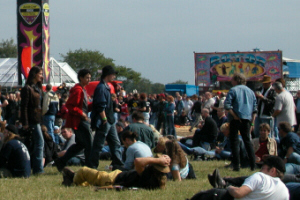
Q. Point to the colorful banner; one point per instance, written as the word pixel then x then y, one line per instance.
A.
pixel 212 67
pixel 33 31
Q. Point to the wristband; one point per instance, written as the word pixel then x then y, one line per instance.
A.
pixel 252 124
pixel 104 119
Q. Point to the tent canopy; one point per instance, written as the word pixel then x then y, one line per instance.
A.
pixel 60 72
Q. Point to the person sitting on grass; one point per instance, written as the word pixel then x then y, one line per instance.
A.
pixel 14 156
pixel 265 184
pixel 149 173
pixel 179 162
pixel 264 145
pixel 135 149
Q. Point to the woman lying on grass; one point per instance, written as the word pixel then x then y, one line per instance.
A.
pixel 149 173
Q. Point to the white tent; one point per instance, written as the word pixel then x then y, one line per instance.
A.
pixel 60 72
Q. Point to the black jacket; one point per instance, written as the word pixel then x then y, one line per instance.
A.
pixel 208 133
pixel 269 102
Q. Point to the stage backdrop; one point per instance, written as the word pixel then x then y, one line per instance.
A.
pixel 212 67
pixel 33 37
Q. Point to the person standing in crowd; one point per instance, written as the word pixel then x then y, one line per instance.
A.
pixel 133 104
pixel 103 120
pixel 18 105
pixel 196 112
pixel 188 104
pixel 284 108
pixel 179 108
pixel 115 106
pixel 3 104
pixel 297 103
pixel 144 107
pixel 14 156
pixel 209 102
pixel 161 121
pixel 50 109
pixel 169 112
pixel 266 100
pixel 77 119
pixel 241 105
pixel 11 109
pixel 31 115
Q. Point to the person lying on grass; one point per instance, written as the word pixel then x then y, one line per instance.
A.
pixel 149 173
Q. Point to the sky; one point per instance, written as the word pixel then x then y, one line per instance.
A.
pixel 158 38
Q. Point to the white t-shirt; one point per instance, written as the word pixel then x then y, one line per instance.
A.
pixel 266 187
pixel 285 102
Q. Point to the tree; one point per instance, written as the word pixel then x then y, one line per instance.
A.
pixel 92 60
pixel 8 49
pixel 179 82
pixel 158 88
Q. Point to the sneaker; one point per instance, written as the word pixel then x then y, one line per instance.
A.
pixel 68 176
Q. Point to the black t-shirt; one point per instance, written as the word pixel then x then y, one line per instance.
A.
pixel 133 179
pixel 133 105
pixel 145 104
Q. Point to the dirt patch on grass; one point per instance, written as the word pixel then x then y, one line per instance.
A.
pixel 183 131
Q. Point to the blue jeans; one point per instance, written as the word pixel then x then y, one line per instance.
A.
pixel 38 147
pixel 259 121
pixel 294 189
pixel 75 162
pixel 83 139
pixel 170 126
pixel 153 119
pixel 48 121
pixel 294 158
pixel 109 133
pixel 224 155
pixel 291 168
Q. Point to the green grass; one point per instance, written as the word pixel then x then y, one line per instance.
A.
pixel 48 186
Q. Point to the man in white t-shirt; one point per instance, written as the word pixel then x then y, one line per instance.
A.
pixel 265 184
pixel 284 108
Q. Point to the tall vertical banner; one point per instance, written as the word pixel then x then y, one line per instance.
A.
pixel 33 37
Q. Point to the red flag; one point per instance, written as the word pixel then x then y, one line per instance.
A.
pixel 26 59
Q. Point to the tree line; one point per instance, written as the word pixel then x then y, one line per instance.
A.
pixel 94 60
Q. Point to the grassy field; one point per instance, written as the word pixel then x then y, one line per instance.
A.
pixel 48 186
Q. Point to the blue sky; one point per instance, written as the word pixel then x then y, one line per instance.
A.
pixel 158 38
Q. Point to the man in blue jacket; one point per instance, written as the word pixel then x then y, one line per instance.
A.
pixel 103 120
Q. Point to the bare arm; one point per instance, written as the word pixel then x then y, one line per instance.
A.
pixel 239 192
pixel 141 163
pixel 276 112
pixel 176 175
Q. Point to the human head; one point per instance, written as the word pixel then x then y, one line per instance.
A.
pixel 66 133
pixel 129 138
pixel 108 70
pixel 298 94
pixel 136 96
pixel 35 76
pixel 238 79
pixel 282 81
pixel 161 145
pixel 220 112
pixel 175 152
pixel 119 127
pixel 284 128
pixel 278 87
pixel 137 116
pixel 143 96
pixel 56 129
pixel 207 95
pixel 273 165
pixel 170 98
pixel 48 87
pixel 225 129
pixel 266 81
pixel 204 113
pixel 264 130
pixel 113 96
pixel 84 76
pixel 10 132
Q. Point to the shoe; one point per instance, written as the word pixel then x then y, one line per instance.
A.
pixel 218 180
pixel 236 169
pixel 229 166
pixel 68 176
pixel 211 180
pixel 59 165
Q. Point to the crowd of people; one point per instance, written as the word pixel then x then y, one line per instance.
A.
pixel 136 131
